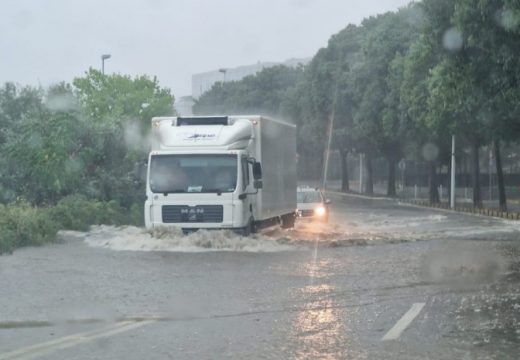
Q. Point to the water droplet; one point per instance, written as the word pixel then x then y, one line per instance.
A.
pixel 452 39
pixel 430 152
pixel 61 102
pixel 35 142
pixel 508 19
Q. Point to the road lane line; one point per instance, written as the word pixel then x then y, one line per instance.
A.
pixel 403 322
pixel 58 342
pixel 47 347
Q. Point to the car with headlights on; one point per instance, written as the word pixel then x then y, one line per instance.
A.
pixel 312 205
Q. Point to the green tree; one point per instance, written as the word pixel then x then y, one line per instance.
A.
pixel 265 92
pixel 377 81
pixel 119 108
pixel 491 30
pixel 45 149
pixel 121 98
pixel 413 105
pixel 15 104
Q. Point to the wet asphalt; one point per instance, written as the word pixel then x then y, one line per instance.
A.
pixel 320 292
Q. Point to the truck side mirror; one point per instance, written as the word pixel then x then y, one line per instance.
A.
pixel 258 184
pixel 257 170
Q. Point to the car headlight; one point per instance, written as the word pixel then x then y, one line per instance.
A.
pixel 320 211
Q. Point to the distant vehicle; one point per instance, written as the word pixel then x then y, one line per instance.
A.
pixel 312 204
pixel 221 172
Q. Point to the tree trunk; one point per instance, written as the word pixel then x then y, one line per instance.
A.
pixel 477 199
pixel 369 188
pixel 432 182
pixel 344 170
pixel 500 177
pixel 390 191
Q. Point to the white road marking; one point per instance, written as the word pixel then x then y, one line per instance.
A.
pixel 403 322
pixel 47 347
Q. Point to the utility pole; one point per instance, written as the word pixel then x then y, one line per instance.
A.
pixel 360 173
pixel 490 174
pixel 453 187
pixel 329 141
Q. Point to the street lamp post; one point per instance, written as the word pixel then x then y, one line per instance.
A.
pixel 103 58
pixel 223 71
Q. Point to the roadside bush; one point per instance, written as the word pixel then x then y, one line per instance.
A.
pixel 136 215
pixel 76 212
pixel 23 225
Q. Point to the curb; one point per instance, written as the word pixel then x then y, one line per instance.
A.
pixel 496 213
pixel 359 196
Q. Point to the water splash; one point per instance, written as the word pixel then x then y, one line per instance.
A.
pixel 371 230
pixel 172 239
pixel 305 236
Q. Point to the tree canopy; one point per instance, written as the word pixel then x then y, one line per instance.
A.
pixel 397 84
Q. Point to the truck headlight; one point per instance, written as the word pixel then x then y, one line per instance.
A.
pixel 320 211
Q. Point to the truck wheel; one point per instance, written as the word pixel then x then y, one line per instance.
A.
pixel 288 221
pixel 246 231
pixel 250 228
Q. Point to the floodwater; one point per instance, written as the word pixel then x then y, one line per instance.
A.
pixel 359 229
pixel 327 291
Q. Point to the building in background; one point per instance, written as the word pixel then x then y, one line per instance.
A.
pixel 202 82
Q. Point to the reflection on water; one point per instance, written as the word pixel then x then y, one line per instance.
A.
pixel 320 330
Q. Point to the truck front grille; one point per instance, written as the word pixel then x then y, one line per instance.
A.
pixel 304 213
pixel 192 214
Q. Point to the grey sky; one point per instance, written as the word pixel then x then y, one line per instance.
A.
pixel 45 41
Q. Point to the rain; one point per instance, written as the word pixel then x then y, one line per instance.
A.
pixel 260 180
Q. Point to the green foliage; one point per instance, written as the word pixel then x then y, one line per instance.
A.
pixel 23 225
pixel 15 104
pixel 265 93
pixel 119 98
pixel 71 151
pixel 46 154
pixel 84 139
pixel 76 212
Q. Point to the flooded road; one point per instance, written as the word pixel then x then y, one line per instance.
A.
pixel 382 281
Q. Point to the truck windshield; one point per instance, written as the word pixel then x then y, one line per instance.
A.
pixel 193 173
pixel 308 197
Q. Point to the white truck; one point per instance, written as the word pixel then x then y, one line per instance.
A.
pixel 221 172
